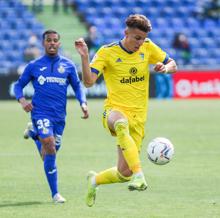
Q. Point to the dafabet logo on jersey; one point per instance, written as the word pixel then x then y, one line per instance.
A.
pixel 132 79
pixel 133 71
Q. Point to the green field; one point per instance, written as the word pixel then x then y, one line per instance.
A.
pixel 189 186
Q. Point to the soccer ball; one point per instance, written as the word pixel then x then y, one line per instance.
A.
pixel 160 151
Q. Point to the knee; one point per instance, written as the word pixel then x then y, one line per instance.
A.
pixel 49 145
pixel 121 126
pixel 126 172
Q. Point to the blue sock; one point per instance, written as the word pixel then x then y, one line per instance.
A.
pixel 51 172
pixel 34 136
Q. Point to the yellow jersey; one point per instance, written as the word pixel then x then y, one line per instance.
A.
pixel 126 74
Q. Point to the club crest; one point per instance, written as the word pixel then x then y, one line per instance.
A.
pixel 61 69
pixel 142 56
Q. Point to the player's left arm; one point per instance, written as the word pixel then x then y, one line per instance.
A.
pixel 79 92
pixel 168 67
pixel 163 63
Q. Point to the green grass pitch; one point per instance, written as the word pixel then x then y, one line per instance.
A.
pixel 187 187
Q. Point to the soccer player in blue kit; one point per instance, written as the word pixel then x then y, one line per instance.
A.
pixel 50 75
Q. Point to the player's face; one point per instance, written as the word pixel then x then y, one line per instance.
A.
pixel 134 38
pixel 51 44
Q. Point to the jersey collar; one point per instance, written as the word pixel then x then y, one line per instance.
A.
pixel 129 52
pixel 51 58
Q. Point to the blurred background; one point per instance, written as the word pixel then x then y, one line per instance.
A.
pixel 188 30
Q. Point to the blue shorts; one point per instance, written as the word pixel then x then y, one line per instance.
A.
pixel 45 126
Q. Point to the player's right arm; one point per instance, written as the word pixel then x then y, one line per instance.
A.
pixel 88 77
pixel 23 80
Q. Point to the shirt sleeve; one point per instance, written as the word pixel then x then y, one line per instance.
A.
pixel 23 80
pixel 98 62
pixel 77 85
pixel 157 54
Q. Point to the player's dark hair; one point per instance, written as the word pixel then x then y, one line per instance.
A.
pixel 49 32
pixel 140 22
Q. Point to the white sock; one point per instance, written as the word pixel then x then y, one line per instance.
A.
pixel 139 174
pixel 93 181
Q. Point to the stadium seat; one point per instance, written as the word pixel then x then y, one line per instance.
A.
pixel 208 43
pixel 209 24
pixel 16 25
pixel 194 43
pixel 110 3
pixel 210 61
pixel 120 12
pixel 167 17
pixel 168 12
pixel 214 33
pixel 142 3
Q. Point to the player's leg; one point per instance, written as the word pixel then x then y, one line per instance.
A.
pixel 108 176
pixel 137 133
pixel 58 132
pixel 30 132
pixel 127 154
pixel 111 175
pixel 118 174
pixel 138 181
pixel 46 136
pixel 122 166
pixel 49 157
pixel 118 123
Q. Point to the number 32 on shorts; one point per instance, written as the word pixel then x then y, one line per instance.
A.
pixel 44 123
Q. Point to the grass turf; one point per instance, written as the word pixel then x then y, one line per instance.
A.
pixel 186 187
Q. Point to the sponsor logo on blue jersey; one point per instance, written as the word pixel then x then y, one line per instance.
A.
pixel 50 79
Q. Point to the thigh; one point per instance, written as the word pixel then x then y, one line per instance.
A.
pixel 44 126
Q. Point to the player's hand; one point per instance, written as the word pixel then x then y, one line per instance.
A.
pixel 27 106
pixel 81 47
pixel 160 67
pixel 85 111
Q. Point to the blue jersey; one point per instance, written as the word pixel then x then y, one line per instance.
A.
pixel 50 77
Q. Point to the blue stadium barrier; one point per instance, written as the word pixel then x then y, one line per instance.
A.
pixel 164 86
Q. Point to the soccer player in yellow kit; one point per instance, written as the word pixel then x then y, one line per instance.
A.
pixel 125 67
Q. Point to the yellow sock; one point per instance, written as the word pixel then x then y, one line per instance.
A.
pixel 110 176
pixel 128 146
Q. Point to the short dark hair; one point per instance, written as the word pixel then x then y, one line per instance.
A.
pixel 49 32
pixel 140 22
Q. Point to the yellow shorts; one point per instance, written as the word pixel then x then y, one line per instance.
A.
pixel 136 122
